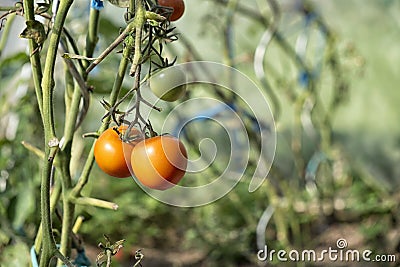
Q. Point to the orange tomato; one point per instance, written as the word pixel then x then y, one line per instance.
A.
pixel 159 162
pixel 112 155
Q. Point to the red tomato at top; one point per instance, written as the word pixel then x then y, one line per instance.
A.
pixel 177 5
pixel 159 162
pixel 112 155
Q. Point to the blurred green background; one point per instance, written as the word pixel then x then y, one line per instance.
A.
pixel 340 181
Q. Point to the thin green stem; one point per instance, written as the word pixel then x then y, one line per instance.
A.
pixel 138 50
pixel 139 20
pixel 229 33
pixel 69 89
pixel 113 99
pixel 65 159
pixel 35 58
pixel 92 36
pixel 279 218
pixel 88 201
pixel 6 32
pixel 78 223
pixel 229 51
pixel 9 8
pixel 108 50
pixel 71 118
pixel 45 181
pixel 297 137
pixel 68 207
pixel 83 179
pixel 128 30
pixel 48 77
pixel 63 259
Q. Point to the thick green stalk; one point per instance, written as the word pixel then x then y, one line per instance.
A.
pixel 54 198
pixel 45 185
pixel 48 243
pixel 49 246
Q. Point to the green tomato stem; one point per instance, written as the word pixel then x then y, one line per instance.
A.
pixel 94 202
pixel 6 31
pixel 35 58
pixel 92 36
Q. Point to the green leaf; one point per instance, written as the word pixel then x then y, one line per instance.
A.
pixel 4 239
pixel 15 255
pixel 13 61
pixel 25 205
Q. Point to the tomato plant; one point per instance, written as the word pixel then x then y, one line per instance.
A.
pixel 110 151
pixel 178 7
pixel 168 84
pixel 159 162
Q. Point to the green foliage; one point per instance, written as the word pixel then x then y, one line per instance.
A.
pixel 15 255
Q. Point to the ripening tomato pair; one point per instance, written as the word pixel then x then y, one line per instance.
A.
pixel 157 162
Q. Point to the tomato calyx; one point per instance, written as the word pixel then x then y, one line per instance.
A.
pixel 128 134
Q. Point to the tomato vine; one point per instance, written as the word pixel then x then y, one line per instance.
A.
pixel 143 38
